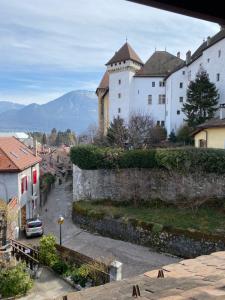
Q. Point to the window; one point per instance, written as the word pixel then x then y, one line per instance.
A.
pixel 24 185
pixel 189 75
pixel 178 112
pixel 153 83
pixel 202 143
pixel 217 77
pixel 162 123
pixel 138 92
pixel 34 176
pixel 158 123
pixel 119 95
pixel 119 81
pixel 219 53
pixel 162 99
pixel 119 110
pixel 208 60
pixel 149 99
pixel 183 72
pixel 181 85
pixel 181 99
pixel 162 83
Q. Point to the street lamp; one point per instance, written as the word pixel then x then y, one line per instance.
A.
pixel 60 222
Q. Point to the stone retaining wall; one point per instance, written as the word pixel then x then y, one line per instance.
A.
pixel 146 184
pixel 182 243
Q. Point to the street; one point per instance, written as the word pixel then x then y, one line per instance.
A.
pixel 136 259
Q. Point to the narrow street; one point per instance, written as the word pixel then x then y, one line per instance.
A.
pixel 136 259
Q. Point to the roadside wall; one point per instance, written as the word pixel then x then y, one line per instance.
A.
pixel 146 184
pixel 182 243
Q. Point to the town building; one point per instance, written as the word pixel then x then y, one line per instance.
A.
pixel 159 86
pixel 19 177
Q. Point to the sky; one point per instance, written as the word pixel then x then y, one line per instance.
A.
pixel 51 47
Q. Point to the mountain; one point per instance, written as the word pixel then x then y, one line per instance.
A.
pixel 75 110
pixel 5 105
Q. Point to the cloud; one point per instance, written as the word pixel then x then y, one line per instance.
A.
pixel 71 40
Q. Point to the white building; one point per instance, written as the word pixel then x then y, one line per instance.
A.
pixel 159 86
pixel 19 177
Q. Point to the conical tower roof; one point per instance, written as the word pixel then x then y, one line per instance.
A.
pixel 126 52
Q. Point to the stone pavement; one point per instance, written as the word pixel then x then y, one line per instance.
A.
pixel 48 285
pixel 202 278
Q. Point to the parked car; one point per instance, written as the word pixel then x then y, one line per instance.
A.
pixel 34 227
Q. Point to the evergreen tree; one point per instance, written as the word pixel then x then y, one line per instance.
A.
pixel 117 134
pixel 202 100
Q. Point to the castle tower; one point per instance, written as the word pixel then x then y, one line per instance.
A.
pixel 121 69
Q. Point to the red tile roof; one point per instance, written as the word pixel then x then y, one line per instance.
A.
pixel 104 84
pixel 15 156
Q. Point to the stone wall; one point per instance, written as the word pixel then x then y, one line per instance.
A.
pixel 146 184
pixel 182 243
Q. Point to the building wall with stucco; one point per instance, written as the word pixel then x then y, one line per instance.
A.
pixel 214 137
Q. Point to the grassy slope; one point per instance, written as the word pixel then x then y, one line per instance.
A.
pixel 208 220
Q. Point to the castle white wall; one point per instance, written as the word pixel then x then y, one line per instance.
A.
pixel 142 88
pixel 135 90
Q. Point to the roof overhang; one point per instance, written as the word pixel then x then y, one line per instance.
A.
pixel 206 10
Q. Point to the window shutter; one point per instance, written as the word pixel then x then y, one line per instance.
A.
pixel 34 176
pixel 26 182
pixel 22 189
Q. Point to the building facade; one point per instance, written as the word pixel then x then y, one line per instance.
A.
pixel 19 177
pixel 159 86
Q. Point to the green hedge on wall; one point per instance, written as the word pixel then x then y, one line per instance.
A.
pixel 181 159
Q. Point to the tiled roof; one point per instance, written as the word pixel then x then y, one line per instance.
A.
pixel 213 40
pixel 15 156
pixel 161 63
pixel 104 84
pixel 126 52
pixel 213 123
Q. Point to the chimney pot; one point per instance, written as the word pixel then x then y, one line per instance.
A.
pixel 188 57
pixel 208 40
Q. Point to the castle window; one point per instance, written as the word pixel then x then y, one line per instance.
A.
pixel 119 81
pixel 181 85
pixel 178 112
pixel 183 72
pixel 208 60
pixel 162 123
pixel 149 99
pixel 158 123
pixel 181 99
pixel 162 83
pixel 162 99
pixel 138 92
pixel 219 53
pixel 217 77
pixel 119 110
pixel 153 84
pixel 119 95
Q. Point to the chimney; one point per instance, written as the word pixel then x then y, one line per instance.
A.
pixel 208 40
pixel 178 54
pixel 188 57
pixel 222 111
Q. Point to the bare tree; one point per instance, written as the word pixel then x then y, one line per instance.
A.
pixel 140 130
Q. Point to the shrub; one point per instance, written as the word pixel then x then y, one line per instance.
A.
pixel 14 281
pixel 60 267
pixel 81 275
pixel 178 159
pixel 47 251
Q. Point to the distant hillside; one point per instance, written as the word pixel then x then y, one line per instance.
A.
pixel 75 110
pixel 5 105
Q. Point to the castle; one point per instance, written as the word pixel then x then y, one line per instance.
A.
pixel 157 87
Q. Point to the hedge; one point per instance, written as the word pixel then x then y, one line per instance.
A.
pixel 91 157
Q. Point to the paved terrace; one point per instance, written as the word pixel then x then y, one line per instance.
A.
pixel 201 278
